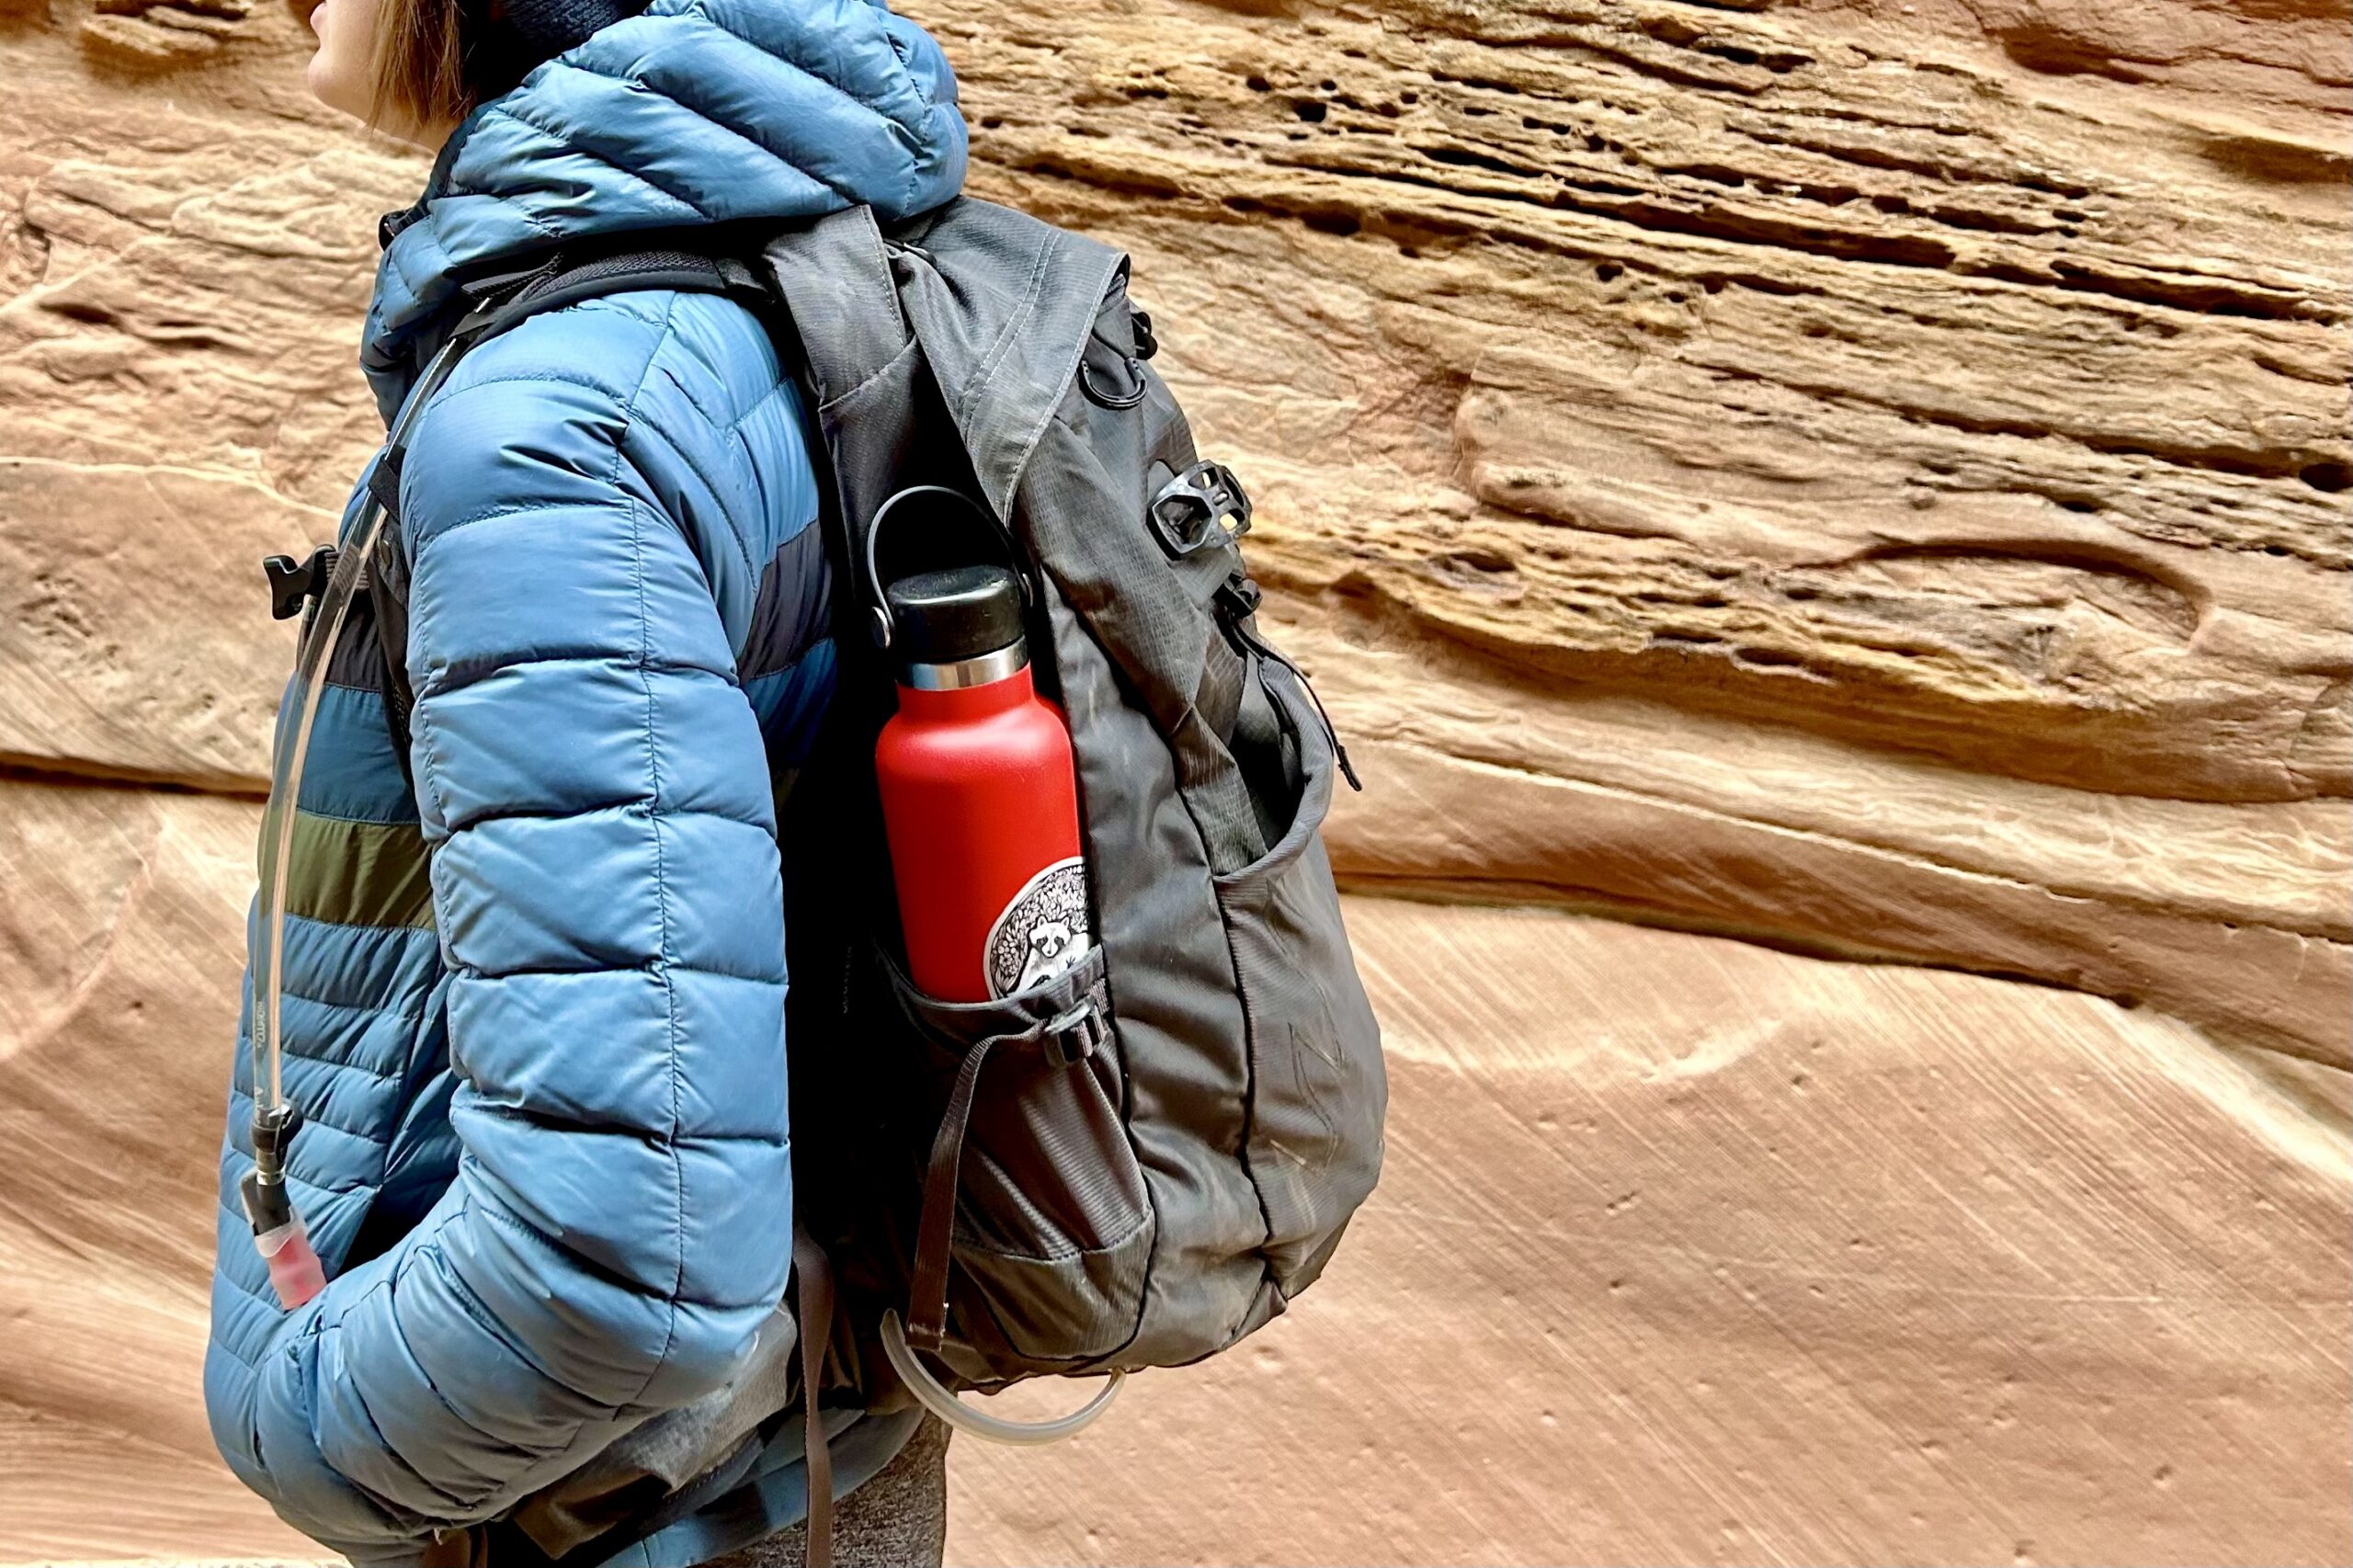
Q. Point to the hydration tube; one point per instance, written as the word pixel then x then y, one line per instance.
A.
pixel 934 1396
pixel 295 1273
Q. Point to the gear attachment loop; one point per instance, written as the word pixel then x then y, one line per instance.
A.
pixel 1201 507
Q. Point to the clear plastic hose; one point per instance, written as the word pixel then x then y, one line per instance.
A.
pixel 323 629
pixel 278 1235
pixel 934 1396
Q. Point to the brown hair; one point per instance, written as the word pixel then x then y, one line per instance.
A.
pixel 420 63
pixel 437 59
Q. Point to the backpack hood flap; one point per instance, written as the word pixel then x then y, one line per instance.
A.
pixel 1002 304
pixel 696 112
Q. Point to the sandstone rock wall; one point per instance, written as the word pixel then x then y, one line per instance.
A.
pixel 1904 488
pixel 1864 480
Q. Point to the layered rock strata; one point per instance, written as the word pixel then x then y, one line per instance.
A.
pixel 1839 511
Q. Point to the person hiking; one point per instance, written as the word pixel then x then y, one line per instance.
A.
pixel 534 997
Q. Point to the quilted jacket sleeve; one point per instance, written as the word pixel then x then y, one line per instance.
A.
pixel 605 882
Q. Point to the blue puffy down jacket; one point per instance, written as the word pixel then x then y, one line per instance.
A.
pixel 534 1007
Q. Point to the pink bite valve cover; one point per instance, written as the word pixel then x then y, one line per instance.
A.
pixel 295 1272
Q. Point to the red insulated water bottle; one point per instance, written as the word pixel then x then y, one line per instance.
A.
pixel 979 795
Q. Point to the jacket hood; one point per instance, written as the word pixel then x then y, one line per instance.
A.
pixel 695 111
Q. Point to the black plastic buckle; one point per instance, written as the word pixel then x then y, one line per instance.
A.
pixel 293 583
pixel 1072 1037
pixel 1146 344
pixel 389 226
pixel 1237 598
pixel 1202 506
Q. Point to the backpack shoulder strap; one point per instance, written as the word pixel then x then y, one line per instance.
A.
pixel 569 277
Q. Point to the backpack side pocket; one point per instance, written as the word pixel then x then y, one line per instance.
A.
pixel 1051 1227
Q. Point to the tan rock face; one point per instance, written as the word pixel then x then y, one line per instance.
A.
pixel 1843 485
pixel 119 948
pixel 184 261
pixel 1869 481
pixel 1690 1251
pixel 130 624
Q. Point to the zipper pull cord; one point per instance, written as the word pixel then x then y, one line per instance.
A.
pixel 1249 635
pixel 1339 751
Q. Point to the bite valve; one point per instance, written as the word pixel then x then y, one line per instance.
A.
pixel 295 1272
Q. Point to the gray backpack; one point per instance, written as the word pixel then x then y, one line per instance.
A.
pixel 1138 1162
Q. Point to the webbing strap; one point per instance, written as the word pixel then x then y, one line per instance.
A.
pixel 814 1308
pixel 662 268
pixel 712 1486
pixel 928 1289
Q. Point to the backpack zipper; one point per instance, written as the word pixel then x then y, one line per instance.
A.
pixel 1239 598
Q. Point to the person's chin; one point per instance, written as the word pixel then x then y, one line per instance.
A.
pixel 319 79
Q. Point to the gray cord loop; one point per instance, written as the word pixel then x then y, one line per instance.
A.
pixel 1075 1036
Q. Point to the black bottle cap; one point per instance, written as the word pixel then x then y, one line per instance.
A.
pixel 944 617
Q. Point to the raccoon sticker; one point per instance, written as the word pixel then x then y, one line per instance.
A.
pixel 1042 931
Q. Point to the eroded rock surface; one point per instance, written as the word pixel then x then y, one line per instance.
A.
pixel 1837 485
pixel 1864 479
pixel 1947 420
pixel 120 946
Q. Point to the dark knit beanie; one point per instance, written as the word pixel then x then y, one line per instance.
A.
pixel 511 37
pixel 545 29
